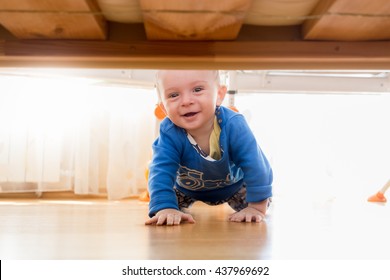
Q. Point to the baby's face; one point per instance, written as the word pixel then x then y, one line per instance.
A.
pixel 189 98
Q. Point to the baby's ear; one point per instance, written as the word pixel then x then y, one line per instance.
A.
pixel 161 105
pixel 221 95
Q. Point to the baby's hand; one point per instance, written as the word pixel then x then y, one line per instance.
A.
pixel 248 215
pixel 170 217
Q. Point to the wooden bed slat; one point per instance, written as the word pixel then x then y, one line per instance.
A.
pixel 344 20
pixel 42 19
pixel 193 20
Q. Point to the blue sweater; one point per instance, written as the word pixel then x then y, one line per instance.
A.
pixel 177 163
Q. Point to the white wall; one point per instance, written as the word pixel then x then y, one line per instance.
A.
pixel 323 146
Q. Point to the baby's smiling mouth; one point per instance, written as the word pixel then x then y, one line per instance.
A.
pixel 190 114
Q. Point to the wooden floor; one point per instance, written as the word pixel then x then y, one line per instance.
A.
pixel 101 229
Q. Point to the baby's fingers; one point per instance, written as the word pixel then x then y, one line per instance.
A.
pixel 188 218
pixel 253 218
pixel 237 217
pixel 172 219
pixel 158 220
pixel 151 221
pixel 162 219
pixel 175 219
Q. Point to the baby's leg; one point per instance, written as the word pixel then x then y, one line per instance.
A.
pixel 183 200
pixel 238 201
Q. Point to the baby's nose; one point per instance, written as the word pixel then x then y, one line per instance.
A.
pixel 187 99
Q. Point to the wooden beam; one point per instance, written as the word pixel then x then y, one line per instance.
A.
pixel 343 20
pixel 195 55
pixel 42 19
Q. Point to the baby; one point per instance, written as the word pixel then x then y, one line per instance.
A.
pixel 204 152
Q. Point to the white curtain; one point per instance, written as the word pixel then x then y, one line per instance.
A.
pixel 74 135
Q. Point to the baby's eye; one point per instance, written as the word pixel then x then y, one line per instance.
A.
pixel 173 95
pixel 198 89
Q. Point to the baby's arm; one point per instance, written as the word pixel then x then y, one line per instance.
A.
pixel 255 212
pixel 169 217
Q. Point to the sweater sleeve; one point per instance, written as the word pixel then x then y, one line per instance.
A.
pixel 162 173
pixel 247 154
